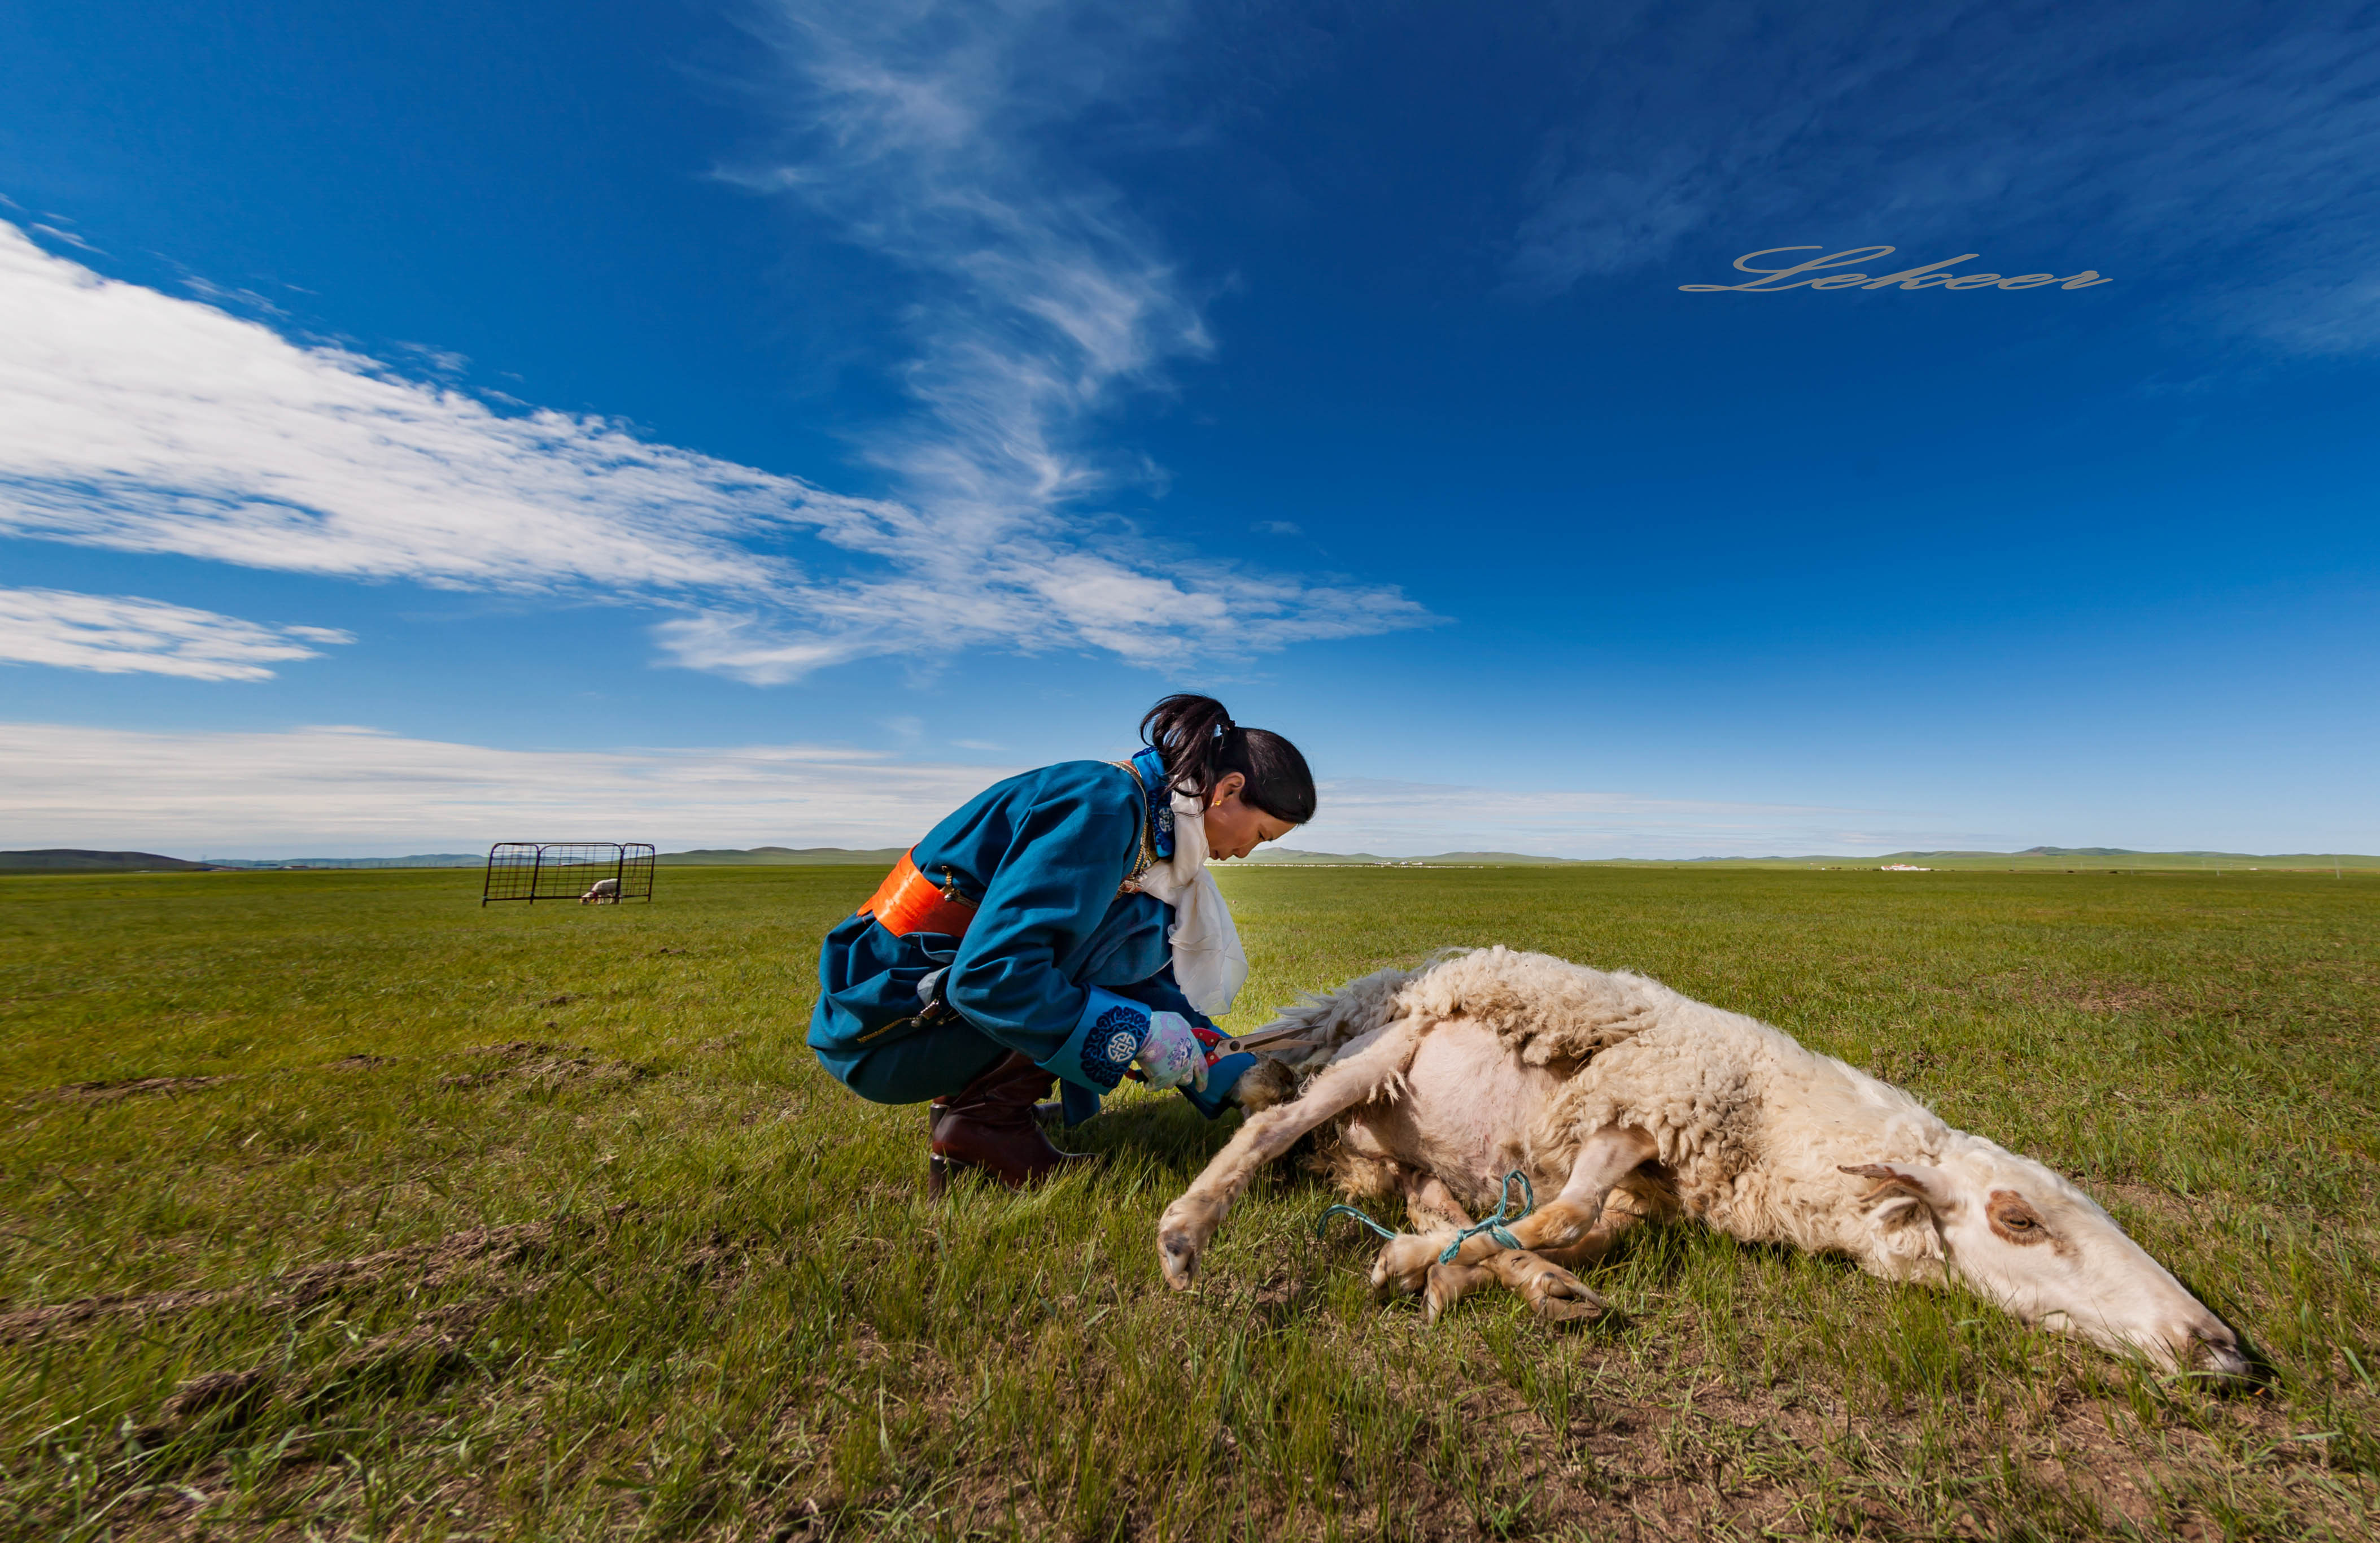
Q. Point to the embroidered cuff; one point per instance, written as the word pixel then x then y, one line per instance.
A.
pixel 1104 1041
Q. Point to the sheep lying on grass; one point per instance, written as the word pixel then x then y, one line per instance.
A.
pixel 1626 1100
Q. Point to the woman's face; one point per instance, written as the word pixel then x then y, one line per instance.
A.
pixel 1235 829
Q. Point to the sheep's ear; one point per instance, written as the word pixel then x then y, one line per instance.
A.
pixel 1929 1185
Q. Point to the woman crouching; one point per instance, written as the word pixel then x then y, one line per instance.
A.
pixel 1061 925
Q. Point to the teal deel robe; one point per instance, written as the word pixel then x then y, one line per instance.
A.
pixel 1057 963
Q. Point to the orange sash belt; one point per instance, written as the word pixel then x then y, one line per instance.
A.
pixel 909 902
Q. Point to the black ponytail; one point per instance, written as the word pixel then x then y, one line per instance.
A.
pixel 1201 745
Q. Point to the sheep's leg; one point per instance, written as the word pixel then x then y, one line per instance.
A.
pixel 1365 1068
pixel 1553 1292
pixel 1591 1248
pixel 1428 1200
pixel 1563 1222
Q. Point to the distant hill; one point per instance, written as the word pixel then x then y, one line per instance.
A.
pixel 2076 852
pixel 2039 858
pixel 73 861
pixel 2046 859
pixel 426 859
pixel 76 860
pixel 1498 859
pixel 880 857
pixel 1275 857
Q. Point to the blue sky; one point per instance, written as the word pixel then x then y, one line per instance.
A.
pixel 423 425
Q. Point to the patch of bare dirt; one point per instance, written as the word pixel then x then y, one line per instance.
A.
pixel 2086 995
pixel 2117 997
pixel 2160 1201
pixel 513 1050
pixel 2195 1211
pixel 217 1390
pixel 1902 1065
pixel 95 1093
pixel 430 1265
pixel 533 1065
pixel 435 1344
pixel 360 1062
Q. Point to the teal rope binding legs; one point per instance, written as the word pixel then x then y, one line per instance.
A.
pixel 1324 1221
pixel 1496 1226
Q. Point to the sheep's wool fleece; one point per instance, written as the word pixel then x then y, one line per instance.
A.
pixel 1750 1123
pixel 1548 1009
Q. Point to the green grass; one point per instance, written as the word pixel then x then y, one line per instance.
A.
pixel 716 1304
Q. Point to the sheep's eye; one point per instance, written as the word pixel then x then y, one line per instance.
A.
pixel 2013 1218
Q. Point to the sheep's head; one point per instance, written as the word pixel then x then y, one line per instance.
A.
pixel 2023 1235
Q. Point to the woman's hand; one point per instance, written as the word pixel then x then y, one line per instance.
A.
pixel 1170 1055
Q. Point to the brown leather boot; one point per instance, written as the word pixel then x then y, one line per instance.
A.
pixel 989 1124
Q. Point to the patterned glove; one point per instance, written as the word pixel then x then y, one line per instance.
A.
pixel 1170 1054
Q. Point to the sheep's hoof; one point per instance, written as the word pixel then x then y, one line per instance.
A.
pixel 1182 1234
pixel 1558 1296
pixel 1449 1283
pixel 1404 1263
pixel 1180 1258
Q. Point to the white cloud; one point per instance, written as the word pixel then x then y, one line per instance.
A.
pixel 124 634
pixel 69 237
pixel 149 423
pixel 1039 301
pixel 216 294
pixel 438 361
pixel 351 790
pixel 2242 143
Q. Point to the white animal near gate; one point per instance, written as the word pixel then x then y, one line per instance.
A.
pixel 1627 1100
pixel 604 891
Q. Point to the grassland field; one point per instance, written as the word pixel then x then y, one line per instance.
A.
pixel 333 1206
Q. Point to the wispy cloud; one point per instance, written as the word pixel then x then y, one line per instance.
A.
pixel 126 635
pixel 923 133
pixel 2235 148
pixel 353 790
pixel 146 422
pixel 438 361
pixel 216 294
pixel 149 423
pixel 69 237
